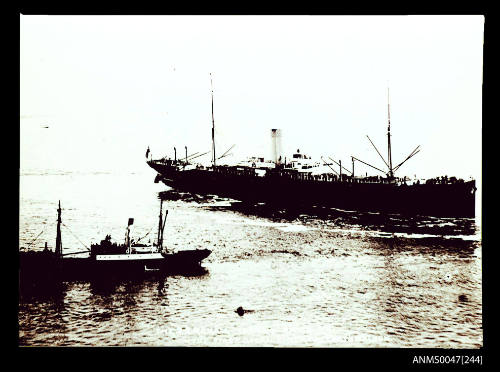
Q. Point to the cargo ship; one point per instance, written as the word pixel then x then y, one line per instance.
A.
pixel 300 181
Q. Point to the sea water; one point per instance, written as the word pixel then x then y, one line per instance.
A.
pixel 315 278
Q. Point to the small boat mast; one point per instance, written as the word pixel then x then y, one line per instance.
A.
pixel 58 249
pixel 161 227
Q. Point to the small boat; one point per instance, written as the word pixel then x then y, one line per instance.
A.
pixel 108 259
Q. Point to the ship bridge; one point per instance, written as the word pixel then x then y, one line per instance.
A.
pixel 301 161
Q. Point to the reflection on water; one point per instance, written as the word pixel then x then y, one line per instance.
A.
pixel 91 313
pixel 312 278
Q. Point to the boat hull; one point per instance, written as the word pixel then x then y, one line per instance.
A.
pixel 184 261
pixel 46 268
pixel 446 199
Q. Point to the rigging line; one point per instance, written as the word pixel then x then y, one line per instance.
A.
pixel 29 245
pixel 138 240
pixel 378 151
pixel 75 236
pixel 414 152
pixel 329 166
pixel 347 170
pixel 409 157
pixel 197 156
pixel 220 157
pixel 226 152
pixel 163 226
pixel 368 164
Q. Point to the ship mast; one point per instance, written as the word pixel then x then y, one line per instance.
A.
pixel 161 227
pixel 213 123
pixel 58 249
pixel 389 155
pixel 388 163
pixel 159 240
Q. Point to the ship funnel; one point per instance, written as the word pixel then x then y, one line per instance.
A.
pixel 276 146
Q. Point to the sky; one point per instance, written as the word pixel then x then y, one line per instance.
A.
pixel 107 87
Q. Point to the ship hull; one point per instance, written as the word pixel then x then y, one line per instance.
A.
pixel 446 199
pixel 41 268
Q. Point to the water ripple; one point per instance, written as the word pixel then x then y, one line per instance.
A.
pixel 323 277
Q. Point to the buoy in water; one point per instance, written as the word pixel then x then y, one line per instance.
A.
pixel 240 311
